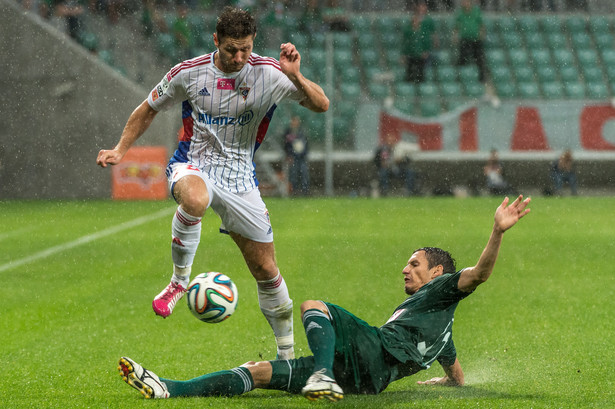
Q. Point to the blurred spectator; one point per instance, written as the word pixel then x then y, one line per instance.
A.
pixel 311 20
pixel 537 5
pixel 563 170
pixel 335 16
pixel 182 33
pixel 418 41
pixel 296 150
pixel 392 160
pixel 469 32
pixel 439 5
pixel 494 176
pixel 71 12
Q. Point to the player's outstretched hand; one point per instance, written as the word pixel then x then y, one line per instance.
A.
pixel 445 380
pixel 506 216
pixel 290 59
pixel 108 157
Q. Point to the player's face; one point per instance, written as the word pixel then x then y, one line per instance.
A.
pixel 417 273
pixel 233 53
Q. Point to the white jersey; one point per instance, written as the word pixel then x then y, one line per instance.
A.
pixel 225 116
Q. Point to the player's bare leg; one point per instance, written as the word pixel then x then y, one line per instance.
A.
pixel 191 193
pixel 273 297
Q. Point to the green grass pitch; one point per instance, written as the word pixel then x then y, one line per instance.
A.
pixel 78 279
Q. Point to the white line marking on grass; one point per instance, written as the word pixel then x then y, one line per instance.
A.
pixel 86 239
pixel 4 236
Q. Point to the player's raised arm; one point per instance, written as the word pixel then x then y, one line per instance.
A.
pixel 290 63
pixel 137 124
pixel 506 216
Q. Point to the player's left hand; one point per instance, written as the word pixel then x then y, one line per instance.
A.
pixel 506 216
pixel 290 59
pixel 435 381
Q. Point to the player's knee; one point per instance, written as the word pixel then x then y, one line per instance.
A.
pixel 313 305
pixel 260 371
pixel 191 193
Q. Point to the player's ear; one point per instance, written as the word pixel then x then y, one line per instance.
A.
pixel 216 42
pixel 437 271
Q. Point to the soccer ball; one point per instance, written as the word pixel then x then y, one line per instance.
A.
pixel 212 297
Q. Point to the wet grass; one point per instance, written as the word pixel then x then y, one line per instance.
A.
pixel 536 335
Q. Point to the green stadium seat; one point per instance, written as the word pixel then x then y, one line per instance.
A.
pixel 511 39
pixel 546 73
pixel 366 41
pixel 451 89
pixel 428 90
pixel 576 24
pixel 574 89
pixel 468 73
pixel 540 57
pixel 350 92
pixel 610 72
pixel 474 89
pixel 599 25
pixel 553 90
pixel 608 57
pixel 528 24
pixel 603 41
pixel 350 73
pixel 490 24
pixel 506 89
pixel 518 56
pixel 528 90
pixel 597 90
pixel 299 39
pixel 316 57
pixel 361 23
pixel 592 74
pixel 524 73
pixel 556 40
pixel 569 74
pixel 581 40
pixel 446 73
pixel 405 90
pixel 535 41
pixel 369 57
pixel 430 108
pixel 492 40
pixel 587 57
pixel 378 91
pixel 501 73
pixel 495 57
pixel 390 40
pixel 443 57
pixel 551 24
pixel 506 24
pixel 343 41
pixel 343 130
pixel 563 58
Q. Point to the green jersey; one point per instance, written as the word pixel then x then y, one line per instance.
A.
pixel 421 328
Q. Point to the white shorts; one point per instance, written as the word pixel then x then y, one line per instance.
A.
pixel 242 213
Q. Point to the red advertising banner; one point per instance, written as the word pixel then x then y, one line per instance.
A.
pixel 141 174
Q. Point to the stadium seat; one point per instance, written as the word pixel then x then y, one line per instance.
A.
pixel 405 90
pixel 608 57
pixel 576 24
pixel 492 40
pixel 569 73
pixel 551 24
pixel 350 92
pixel 446 73
pixel 528 90
pixel 599 25
pixel 580 40
pixel 592 74
pixel 556 40
pixel 563 58
pixel 468 73
pixel 506 89
pixel 603 41
pixel 597 90
pixel 366 41
pixel 378 91
pixel 474 89
pixel 350 73
pixel 342 58
pixel 506 24
pixel 587 57
pixel 535 41
pixel 392 57
pixel 390 40
pixel 428 90
pixel 360 23
pixel 342 41
pixel 524 73
pixel 451 89
pixel 528 24
pixel 511 39
pixel 501 73
pixel 443 57
pixel 495 57
pixel 546 73
pixel 299 39
pixel 574 89
pixel 430 107
pixel 316 57
pixel 553 90
pixel 540 57
pixel 610 73
pixel 369 57
pixel 518 56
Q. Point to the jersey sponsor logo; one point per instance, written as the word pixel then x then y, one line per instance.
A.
pixel 204 92
pixel 242 119
pixel 226 83
pixel 154 95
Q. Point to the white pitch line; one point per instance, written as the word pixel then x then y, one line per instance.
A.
pixel 86 239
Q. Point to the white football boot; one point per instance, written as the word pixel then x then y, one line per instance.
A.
pixel 320 386
pixel 142 380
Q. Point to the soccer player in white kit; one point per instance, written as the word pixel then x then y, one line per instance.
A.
pixel 228 98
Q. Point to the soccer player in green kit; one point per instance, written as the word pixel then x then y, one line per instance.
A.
pixel 349 355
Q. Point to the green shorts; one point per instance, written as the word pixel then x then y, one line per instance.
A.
pixel 361 365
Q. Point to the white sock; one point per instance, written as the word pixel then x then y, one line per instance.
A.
pixel 186 232
pixel 277 307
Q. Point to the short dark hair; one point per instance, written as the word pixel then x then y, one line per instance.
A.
pixel 436 256
pixel 234 22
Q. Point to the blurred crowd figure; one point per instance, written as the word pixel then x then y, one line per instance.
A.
pixel 494 176
pixel 418 40
pixel 470 33
pixel 563 171
pixel 296 151
pixel 393 161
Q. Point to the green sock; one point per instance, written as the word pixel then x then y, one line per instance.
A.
pixel 321 339
pixel 223 383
